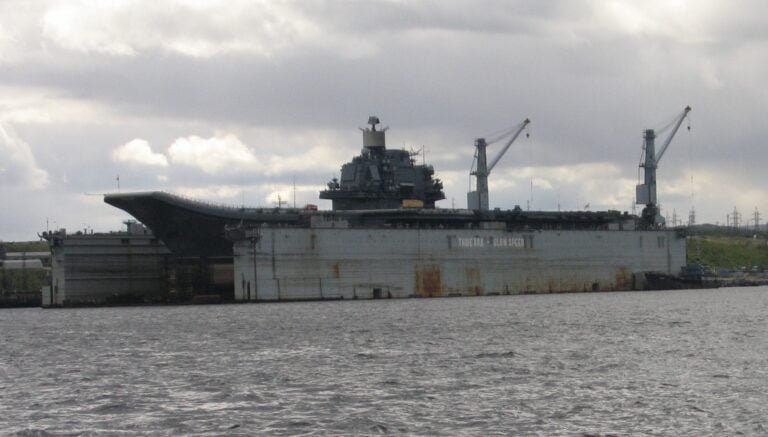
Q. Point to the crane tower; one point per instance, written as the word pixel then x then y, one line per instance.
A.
pixel 646 192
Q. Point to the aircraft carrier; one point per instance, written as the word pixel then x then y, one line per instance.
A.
pixel 377 179
pixel 384 237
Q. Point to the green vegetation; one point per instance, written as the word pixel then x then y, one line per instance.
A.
pixel 13 281
pixel 22 281
pixel 729 252
pixel 26 246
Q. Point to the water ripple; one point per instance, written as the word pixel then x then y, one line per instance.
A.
pixel 598 364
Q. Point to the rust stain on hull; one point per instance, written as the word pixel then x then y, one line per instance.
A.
pixel 623 279
pixel 429 282
pixel 474 284
pixel 552 286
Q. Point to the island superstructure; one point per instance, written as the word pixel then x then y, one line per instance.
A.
pixel 381 178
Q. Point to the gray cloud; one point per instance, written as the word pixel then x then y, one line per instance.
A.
pixel 286 77
pixel 19 168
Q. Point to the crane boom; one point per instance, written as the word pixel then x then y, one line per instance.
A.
pixel 509 143
pixel 478 199
pixel 672 134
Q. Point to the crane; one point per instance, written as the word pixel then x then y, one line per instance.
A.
pixel 478 199
pixel 646 192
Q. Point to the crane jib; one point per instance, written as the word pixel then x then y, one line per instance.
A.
pixel 478 199
pixel 678 122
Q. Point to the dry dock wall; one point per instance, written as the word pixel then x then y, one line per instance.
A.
pixel 100 269
pixel 274 264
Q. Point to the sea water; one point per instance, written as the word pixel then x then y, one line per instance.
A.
pixel 691 362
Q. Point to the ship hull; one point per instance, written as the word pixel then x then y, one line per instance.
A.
pixel 191 228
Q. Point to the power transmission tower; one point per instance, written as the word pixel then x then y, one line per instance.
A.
pixel 736 218
pixel 692 217
pixel 757 219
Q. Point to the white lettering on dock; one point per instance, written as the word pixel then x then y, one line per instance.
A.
pixel 513 242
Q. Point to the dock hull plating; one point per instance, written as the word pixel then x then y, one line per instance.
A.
pixel 276 264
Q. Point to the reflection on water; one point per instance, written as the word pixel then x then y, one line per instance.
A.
pixel 682 362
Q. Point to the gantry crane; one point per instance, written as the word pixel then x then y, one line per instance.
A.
pixel 478 199
pixel 649 161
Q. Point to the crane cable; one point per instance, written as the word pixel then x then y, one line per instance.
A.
pixel 496 135
pixel 499 135
pixel 667 125
pixel 690 168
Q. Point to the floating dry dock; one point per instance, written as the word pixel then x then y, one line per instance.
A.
pixel 359 256
pixel 104 269
pixel 385 237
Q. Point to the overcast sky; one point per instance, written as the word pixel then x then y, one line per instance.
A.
pixel 235 101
